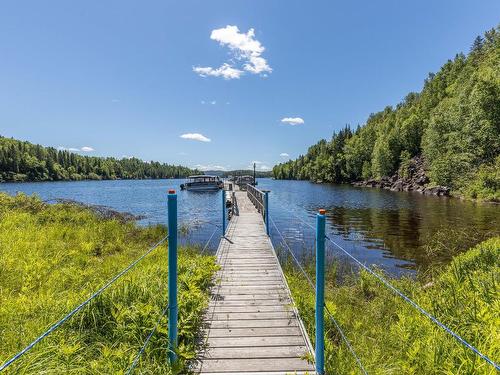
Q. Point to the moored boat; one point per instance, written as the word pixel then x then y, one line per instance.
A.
pixel 202 183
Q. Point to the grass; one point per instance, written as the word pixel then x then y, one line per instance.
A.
pixel 393 338
pixel 52 257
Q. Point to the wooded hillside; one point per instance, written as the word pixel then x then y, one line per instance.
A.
pixel 454 123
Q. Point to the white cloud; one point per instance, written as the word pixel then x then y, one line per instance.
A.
pixel 225 71
pixel 292 120
pixel 213 102
pixel 87 149
pixel 210 167
pixel 202 102
pixel 115 100
pixel 196 137
pixel 265 168
pixel 256 162
pixel 284 155
pixel 244 47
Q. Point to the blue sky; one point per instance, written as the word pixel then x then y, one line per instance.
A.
pixel 129 78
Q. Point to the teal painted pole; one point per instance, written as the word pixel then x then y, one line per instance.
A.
pixel 320 292
pixel 172 275
pixel 266 202
pixel 223 212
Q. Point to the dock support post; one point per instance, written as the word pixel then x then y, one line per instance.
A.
pixel 266 203
pixel 320 292
pixel 172 275
pixel 223 212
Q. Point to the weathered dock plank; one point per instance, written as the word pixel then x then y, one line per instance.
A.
pixel 252 326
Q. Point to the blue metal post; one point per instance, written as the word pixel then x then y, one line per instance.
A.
pixel 172 275
pixel 266 202
pixel 320 292
pixel 223 212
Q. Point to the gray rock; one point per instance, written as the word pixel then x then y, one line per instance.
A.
pixel 416 180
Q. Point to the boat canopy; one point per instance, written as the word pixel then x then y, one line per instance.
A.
pixel 203 178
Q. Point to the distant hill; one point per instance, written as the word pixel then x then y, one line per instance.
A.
pixel 25 161
pixel 239 172
pixel 213 173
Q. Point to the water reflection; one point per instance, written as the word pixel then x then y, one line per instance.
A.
pixel 381 227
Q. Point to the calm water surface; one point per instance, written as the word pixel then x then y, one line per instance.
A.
pixel 380 227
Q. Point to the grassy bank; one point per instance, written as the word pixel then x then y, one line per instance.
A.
pixel 392 338
pixel 53 256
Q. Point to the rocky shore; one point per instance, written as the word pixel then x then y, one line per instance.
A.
pixel 415 179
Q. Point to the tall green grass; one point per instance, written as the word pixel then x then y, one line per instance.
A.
pixel 52 257
pixel 391 337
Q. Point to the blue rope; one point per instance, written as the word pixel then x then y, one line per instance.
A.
pixel 418 307
pixel 360 365
pixel 141 351
pixel 143 348
pixel 210 239
pixel 410 301
pixel 337 325
pixel 79 307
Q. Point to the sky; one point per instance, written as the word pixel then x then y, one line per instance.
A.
pixel 217 84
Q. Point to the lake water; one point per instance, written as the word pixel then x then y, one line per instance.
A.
pixel 389 229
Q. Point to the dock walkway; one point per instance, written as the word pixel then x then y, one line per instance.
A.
pixel 252 325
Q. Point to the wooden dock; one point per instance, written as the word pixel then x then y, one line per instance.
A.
pixel 252 324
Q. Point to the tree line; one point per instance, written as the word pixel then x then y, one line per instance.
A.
pixel 454 123
pixel 24 161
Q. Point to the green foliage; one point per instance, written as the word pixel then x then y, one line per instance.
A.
pixel 324 161
pixel 485 183
pixel 53 256
pixel 454 122
pixel 404 164
pixel 24 161
pixel 391 337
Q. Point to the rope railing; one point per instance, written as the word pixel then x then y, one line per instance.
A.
pixel 164 312
pixel 330 314
pixel 145 344
pixel 418 307
pixel 171 308
pixel 407 299
pixel 209 240
pixel 56 325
